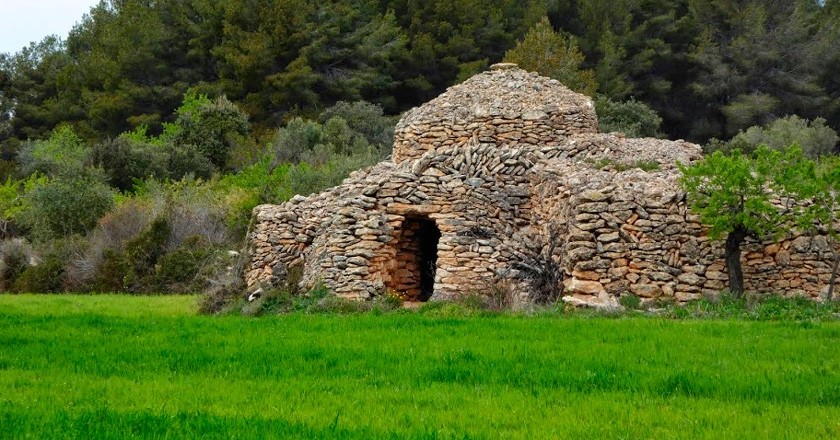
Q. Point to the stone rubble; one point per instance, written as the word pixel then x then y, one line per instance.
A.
pixel 507 166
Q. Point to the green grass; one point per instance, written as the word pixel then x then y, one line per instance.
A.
pixel 123 367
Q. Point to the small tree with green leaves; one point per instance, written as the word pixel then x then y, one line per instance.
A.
pixel 821 188
pixel 734 195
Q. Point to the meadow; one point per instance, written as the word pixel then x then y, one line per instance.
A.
pixel 150 367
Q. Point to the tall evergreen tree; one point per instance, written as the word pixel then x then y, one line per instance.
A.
pixel 554 55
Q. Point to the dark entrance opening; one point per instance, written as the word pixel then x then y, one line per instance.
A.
pixel 428 236
pixel 417 259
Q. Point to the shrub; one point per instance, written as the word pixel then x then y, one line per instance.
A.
pixel 13 202
pixel 126 160
pixel 633 118
pixel 306 179
pixel 45 277
pixel 214 127
pixel 297 137
pixel 191 208
pixel 105 245
pixel 15 257
pixel 365 119
pixel 64 152
pixel 66 205
pixel 308 141
pixel 142 253
pixel 111 272
pixel 814 137
pixel 177 271
pixel 225 285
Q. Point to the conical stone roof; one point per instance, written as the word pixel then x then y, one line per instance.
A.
pixel 505 105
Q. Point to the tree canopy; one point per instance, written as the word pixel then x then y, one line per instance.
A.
pixel 707 68
pixel 735 193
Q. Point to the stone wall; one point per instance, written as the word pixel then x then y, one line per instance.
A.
pixel 477 196
pixel 527 110
pixel 632 232
pixel 510 170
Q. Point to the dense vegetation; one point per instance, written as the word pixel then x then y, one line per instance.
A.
pixel 132 367
pixel 134 148
pixel 709 68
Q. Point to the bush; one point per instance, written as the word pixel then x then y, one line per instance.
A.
pixel 177 271
pixel 225 285
pixel 45 277
pixel 97 266
pixel 188 160
pixel 298 136
pixel 66 205
pixel 308 141
pixel 111 272
pixel 306 179
pixel 191 208
pixel 365 119
pixel 64 152
pixel 214 127
pixel 126 160
pixel 633 118
pixel 142 254
pixel 814 137
pixel 15 257
pixel 13 202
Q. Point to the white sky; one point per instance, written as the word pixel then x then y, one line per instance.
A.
pixel 24 21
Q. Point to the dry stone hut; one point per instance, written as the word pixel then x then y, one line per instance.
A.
pixel 506 178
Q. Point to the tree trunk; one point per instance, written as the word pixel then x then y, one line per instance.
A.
pixel 833 279
pixel 733 261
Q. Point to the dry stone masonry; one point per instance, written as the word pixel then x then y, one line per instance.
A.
pixel 498 174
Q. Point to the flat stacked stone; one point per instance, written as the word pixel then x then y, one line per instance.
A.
pixel 510 169
pixel 505 105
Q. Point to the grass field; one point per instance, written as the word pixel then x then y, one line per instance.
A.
pixel 148 367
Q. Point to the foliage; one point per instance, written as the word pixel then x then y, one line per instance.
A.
pixel 192 209
pixel 214 127
pixel 735 190
pixel 555 55
pixel 733 195
pixel 64 152
pixel 364 119
pixel 65 205
pixel 708 68
pixel 820 186
pixel 13 202
pixel 814 137
pixel 126 161
pixel 178 270
pixel 16 256
pixel 633 118
pixel 46 276
pixel 305 179
pixel 297 137
pixel 316 144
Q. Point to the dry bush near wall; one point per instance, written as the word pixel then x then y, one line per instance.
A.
pixel 16 255
pixel 192 210
pixel 113 232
